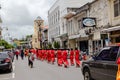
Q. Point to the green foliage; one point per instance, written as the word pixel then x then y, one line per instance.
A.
pixel 5 44
pixel 49 45
pixel 56 45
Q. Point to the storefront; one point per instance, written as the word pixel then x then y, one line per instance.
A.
pixel 64 40
pixel 84 46
pixel 73 41
pixel 113 34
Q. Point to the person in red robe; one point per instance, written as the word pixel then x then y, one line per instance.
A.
pixel 65 61
pixel 59 58
pixel 44 54
pixel 40 54
pixel 49 56
pixel 37 54
pixel 77 57
pixel 72 57
pixel 52 56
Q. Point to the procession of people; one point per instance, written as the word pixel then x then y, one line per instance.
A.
pixel 66 57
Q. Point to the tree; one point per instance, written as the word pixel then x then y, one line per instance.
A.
pixel 5 44
pixel 56 45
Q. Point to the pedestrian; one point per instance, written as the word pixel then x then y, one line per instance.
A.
pixel 31 58
pixel 22 54
pixel 59 58
pixel 77 54
pixel 72 57
pixel 52 56
pixel 17 54
pixel 65 61
pixel 49 56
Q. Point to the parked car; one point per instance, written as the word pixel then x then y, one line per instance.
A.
pixel 10 53
pixel 102 66
pixel 5 62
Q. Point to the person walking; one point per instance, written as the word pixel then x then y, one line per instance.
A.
pixel 59 58
pixel 64 56
pixel 22 54
pixel 77 57
pixel 72 57
pixel 52 56
pixel 31 58
pixel 17 53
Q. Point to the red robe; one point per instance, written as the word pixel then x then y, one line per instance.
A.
pixel 72 57
pixel 65 61
pixel 49 56
pixel 77 57
pixel 52 56
pixel 59 57
pixel 45 54
pixel 41 58
pixel 37 54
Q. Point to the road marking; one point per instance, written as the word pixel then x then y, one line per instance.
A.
pixel 13 67
pixel 13 75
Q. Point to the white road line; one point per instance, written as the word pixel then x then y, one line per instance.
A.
pixel 13 67
pixel 13 75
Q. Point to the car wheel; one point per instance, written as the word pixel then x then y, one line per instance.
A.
pixel 87 75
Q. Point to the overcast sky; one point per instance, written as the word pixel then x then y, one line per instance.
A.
pixel 18 15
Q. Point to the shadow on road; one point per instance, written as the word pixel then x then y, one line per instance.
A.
pixel 2 72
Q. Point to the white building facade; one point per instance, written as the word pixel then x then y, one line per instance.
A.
pixel 57 23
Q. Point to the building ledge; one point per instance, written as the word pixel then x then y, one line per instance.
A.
pixel 74 36
pixel 111 29
pixel 69 15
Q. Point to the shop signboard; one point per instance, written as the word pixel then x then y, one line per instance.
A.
pixel 89 22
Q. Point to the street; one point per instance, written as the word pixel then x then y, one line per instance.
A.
pixel 41 71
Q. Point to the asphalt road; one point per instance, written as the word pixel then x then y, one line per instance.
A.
pixel 41 71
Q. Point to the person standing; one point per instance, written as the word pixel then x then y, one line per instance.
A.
pixel 72 57
pixel 77 57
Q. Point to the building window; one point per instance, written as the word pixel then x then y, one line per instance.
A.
pixel 116 8
pixel 58 15
pixel 63 26
pixel 71 29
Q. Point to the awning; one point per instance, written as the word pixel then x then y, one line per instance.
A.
pixel 111 29
pixel 69 15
